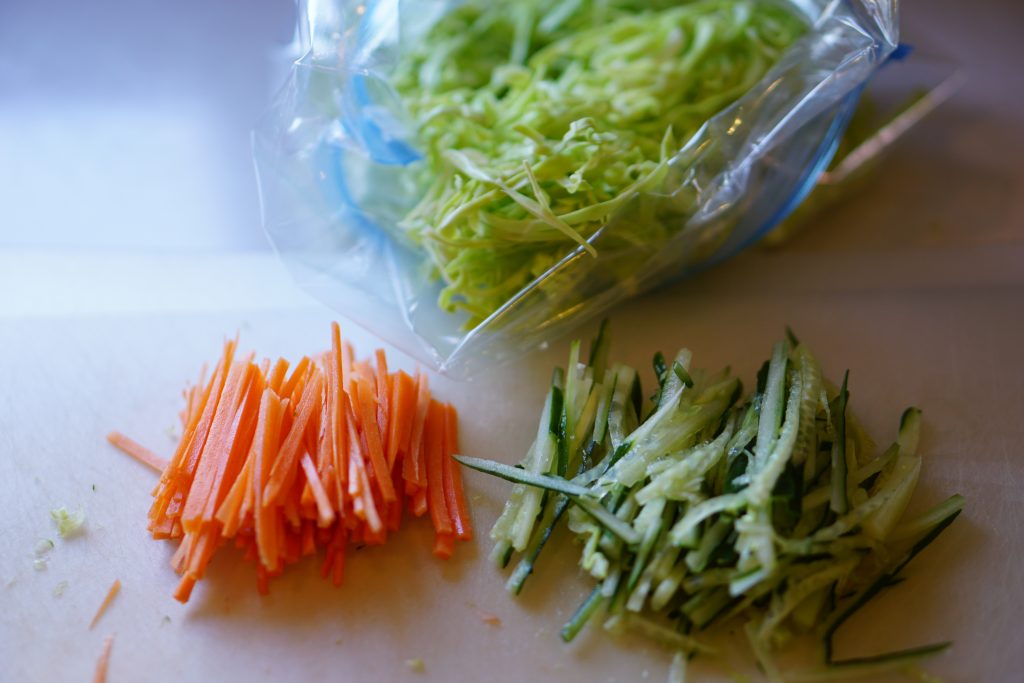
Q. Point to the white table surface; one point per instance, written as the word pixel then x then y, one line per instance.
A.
pixel 111 302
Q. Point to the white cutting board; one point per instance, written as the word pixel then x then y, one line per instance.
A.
pixel 99 343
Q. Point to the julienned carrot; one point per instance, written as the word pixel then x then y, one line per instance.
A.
pixel 268 439
pixel 218 443
pixel 453 495
pixel 417 471
pixel 383 401
pixel 403 407
pixel 103 663
pixel 434 438
pixel 137 451
pixel 286 463
pixel 323 505
pixel 371 433
pixel 282 475
pixel 111 594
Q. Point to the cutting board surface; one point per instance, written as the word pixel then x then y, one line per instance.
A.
pixel 69 375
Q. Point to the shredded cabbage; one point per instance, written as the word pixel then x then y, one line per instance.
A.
pixel 538 120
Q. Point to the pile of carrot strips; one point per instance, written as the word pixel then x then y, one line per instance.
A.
pixel 286 460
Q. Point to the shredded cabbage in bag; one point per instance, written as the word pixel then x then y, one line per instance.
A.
pixel 539 120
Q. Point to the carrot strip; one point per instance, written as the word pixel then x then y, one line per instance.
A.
pixel 454 496
pixel 114 588
pixel 283 473
pixel 184 590
pixel 178 475
pixel 382 474
pixel 434 433
pixel 417 469
pixel 419 503
pixel 218 443
pixel 324 510
pixel 276 377
pixel 137 451
pixel 229 514
pixel 444 545
pixel 268 438
pixel 297 374
pixel 103 663
pixel 383 401
pixel 403 408
pixel 242 430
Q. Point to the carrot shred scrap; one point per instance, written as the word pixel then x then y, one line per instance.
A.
pixel 137 451
pixel 103 663
pixel 111 594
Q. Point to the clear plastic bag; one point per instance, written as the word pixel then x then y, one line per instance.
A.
pixel 332 157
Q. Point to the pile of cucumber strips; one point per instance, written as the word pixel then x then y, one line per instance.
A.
pixel 702 506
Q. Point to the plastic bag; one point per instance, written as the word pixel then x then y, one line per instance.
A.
pixel 332 157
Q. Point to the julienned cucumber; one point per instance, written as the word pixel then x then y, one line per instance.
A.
pixel 701 506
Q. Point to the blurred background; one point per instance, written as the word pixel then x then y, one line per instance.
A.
pixel 124 125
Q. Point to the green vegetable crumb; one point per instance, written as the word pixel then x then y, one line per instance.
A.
pixel 416 665
pixel 69 524
pixel 59 589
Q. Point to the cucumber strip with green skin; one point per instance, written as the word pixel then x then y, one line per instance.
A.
pixel 797 593
pixel 558 428
pixel 520 476
pixel 682 375
pixel 548 457
pixel 897 481
pixel 809 371
pixel 707 606
pixel 862 667
pixel 622 420
pixel 772 404
pixel 658 633
pixel 606 519
pixel 668 587
pixel 919 525
pixel 584 422
pixel 582 615
pixel 697 559
pixel 910 431
pixel 599 347
pixel 883 581
pixel 821 495
pixel 698 513
pixel 838 503
pixel 692 467
pixel 636 395
pixel 660 374
pixel 553 513
pixel 501 553
pixel 604 403
pixel 775 460
pixel 673 427
pixel 572 389
pixel 746 431
pixel 651 533
pixel 711 612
